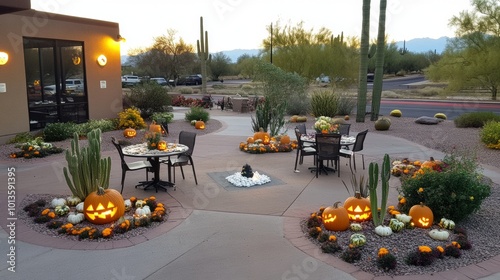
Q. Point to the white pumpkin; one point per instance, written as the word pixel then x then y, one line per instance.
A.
pixel 438 234
pixel 447 224
pixel 73 200
pixel 143 211
pixel 357 239
pixel 383 230
pixel 58 202
pixel 79 207
pixel 128 204
pixel 403 218
pixel 396 225
pixel 75 218
pixel 356 227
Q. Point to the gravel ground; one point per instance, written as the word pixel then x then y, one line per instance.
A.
pixel 483 234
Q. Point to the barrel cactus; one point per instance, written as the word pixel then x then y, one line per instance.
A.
pixel 382 123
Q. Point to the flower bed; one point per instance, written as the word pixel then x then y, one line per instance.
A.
pixel 272 147
pixel 35 148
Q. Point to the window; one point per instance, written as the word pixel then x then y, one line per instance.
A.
pixel 55 76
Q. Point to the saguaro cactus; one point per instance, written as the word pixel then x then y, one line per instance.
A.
pixel 203 55
pixel 87 169
pixel 385 174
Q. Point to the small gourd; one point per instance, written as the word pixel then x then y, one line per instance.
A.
pixel 139 203
pixel 447 223
pixel 396 225
pixel 403 218
pixel 79 207
pixel 75 218
pixel 356 227
pixel 62 210
pixel 144 211
pixel 128 204
pixel 357 239
pixel 57 202
pixel 383 230
pixel 438 234
pixel 73 200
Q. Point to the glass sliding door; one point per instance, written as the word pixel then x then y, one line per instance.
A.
pixel 55 77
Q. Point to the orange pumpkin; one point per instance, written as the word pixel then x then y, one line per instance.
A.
pixel 422 215
pixel 262 135
pixel 431 164
pixel 199 124
pixel 153 127
pixel 250 140
pixel 129 133
pixel 358 208
pixel 103 206
pixel 335 218
pixel 285 139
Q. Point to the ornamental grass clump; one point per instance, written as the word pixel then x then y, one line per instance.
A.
pixel 454 193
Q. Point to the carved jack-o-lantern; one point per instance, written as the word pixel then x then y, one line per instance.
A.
pixel 199 124
pixel 129 133
pixel 335 218
pixel 103 206
pixel 162 145
pixel 358 208
pixel 422 215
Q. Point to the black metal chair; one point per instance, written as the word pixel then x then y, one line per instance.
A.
pixel 358 146
pixel 188 139
pixel 344 128
pixel 302 150
pixel 328 148
pixel 130 166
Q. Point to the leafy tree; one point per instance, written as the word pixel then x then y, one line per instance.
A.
pixel 220 65
pixel 246 65
pixel 473 58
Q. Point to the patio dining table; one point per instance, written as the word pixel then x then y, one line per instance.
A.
pixel 154 156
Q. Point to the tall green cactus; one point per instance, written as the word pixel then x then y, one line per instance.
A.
pixel 87 169
pixel 203 55
pixel 385 175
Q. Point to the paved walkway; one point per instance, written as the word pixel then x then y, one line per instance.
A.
pixel 213 232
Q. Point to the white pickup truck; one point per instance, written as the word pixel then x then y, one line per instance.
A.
pixel 129 80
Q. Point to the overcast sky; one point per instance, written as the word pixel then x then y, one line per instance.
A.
pixel 241 24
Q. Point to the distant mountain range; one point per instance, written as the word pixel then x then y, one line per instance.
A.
pixel 418 45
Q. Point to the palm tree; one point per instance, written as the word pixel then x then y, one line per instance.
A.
pixel 363 65
pixel 379 63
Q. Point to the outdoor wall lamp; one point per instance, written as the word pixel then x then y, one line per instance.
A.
pixel 102 60
pixel 4 57
pixel 120 38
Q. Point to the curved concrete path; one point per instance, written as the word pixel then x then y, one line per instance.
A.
pixel 213 232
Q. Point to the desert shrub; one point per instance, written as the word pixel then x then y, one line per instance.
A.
pixel 20 138
pixel 196 114
pixel 345 105
pixel 149 98
pixel 475 119
pixel 58 131
pixel 324 103
pixel 103 124
pixel 247 88
pixel 218 86
pixel 186 90
pixel 454 193
pixel 490 134
pixel 130 117
pixel 162 117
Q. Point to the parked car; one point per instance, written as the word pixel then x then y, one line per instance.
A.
pixel 71 85
pixel 129 80
pixel 370 77
pixel 189 80
pixel 160 81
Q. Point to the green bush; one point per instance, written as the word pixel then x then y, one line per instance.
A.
pixel 453 193
pixel 21 138
pixel 103 124
pixel 324 103
pixel 490 134
pixel 475 119
pixel 58 131
pixel 197 113
pixel 186 90
pixel 149 98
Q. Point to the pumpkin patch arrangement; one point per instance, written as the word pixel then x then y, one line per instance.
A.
pixel 95 220
pixel 261 142
pixel 35 148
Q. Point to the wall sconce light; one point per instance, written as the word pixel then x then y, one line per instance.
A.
pixel 120 38
pixel 4 57
pixel 102 60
